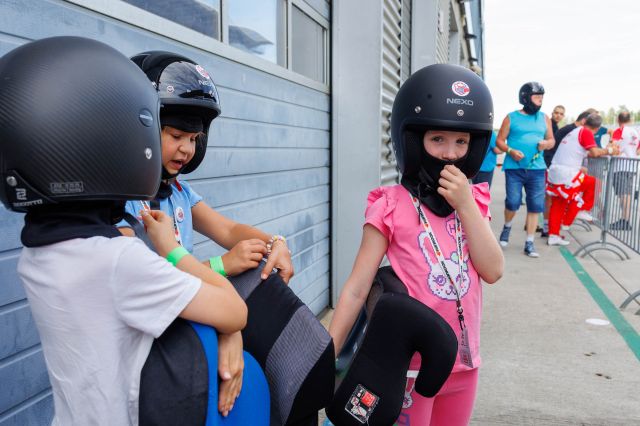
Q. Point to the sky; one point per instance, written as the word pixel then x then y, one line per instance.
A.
pixel 586 53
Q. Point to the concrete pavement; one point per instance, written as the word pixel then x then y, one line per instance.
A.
pixel 544 363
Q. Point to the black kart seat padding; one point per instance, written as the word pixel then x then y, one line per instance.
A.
pixel 372 391
pixel 293 348
pixel 174 383
pixel 385 281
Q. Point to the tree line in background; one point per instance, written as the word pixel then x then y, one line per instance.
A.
pixel 609 117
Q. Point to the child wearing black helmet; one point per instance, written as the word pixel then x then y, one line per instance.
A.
pixel 433 227
pixel 189 103
pixel 71 154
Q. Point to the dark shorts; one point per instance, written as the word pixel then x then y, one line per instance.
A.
pixel 623 182
pixel 483 177
pixel 533 182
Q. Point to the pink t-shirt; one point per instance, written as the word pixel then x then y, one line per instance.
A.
pixel 391 211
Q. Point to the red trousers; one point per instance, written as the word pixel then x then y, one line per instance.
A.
pixel 567 202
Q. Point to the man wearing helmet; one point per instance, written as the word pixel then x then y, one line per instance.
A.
pixel 524 135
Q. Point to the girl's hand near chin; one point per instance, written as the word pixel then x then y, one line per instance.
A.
pixel 454 187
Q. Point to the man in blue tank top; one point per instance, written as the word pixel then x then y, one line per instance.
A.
pixel 524 135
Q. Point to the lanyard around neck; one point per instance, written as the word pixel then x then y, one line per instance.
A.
pixel 440 256
pixel 176 229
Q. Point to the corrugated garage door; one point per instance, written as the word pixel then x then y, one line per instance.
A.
pixel 396 60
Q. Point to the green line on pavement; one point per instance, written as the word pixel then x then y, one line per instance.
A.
pixel 628 333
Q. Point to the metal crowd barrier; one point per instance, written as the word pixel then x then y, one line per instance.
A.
pixel 601 169
pixel 616 210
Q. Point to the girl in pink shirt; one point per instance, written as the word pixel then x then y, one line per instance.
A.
pixel 433 227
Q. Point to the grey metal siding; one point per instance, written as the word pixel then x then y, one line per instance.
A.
pixel 442 46
pixel 267 164
pixel 406 40
pixel 396 68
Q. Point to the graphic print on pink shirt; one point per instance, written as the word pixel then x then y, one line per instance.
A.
pixel 437 281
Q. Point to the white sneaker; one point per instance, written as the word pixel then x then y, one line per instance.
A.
pixel 556 240
pixel 584 215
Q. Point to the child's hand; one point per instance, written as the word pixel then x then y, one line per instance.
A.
pixel 454 187
pixel 245 255
pixel 280 258
pixel 230 368
pixel 159 228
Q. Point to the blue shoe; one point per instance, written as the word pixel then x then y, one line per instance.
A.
pixel 504 236
pixel 530 250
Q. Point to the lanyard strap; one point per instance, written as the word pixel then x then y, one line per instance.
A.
pixel 176 229
pixel 440 257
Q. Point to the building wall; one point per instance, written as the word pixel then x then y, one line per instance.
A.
pixel 267 165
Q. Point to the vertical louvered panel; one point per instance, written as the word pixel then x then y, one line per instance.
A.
pixel 392 61
pixel 405 60
pixel 442 45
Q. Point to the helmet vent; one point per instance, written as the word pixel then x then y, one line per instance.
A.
pixel 146 118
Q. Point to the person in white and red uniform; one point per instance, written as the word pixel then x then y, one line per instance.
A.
pixel 570 188
pixel 626 138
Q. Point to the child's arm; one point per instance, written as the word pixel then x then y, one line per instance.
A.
pixel 356 288
pixel 484 251
pixel 216 303
pixel 229 234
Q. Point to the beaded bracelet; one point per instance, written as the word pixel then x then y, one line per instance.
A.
pixel 272 241
pixel 217 265
pixel 176 255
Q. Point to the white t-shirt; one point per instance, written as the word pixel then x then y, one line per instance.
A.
pixel 98 304
pixel 567 160
pixel 627 140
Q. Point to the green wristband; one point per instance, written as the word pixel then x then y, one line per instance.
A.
pixel 217 265
pixel 176 255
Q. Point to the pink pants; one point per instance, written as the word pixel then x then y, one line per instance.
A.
pixel 452 406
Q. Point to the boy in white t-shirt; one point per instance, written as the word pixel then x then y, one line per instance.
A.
pixel 570 188
pixel 626 138
pixel 71 155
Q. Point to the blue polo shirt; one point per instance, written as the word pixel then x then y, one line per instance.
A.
pixel 525 132
pixel 177 206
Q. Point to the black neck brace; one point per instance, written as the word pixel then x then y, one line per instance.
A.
pixel 61 222
pixel 531 108
pixel 425 188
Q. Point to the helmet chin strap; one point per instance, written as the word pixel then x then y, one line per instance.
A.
pixel 164 191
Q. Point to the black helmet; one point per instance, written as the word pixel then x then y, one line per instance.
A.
pixel 528 89
pixel 445 97
pixel 78 122
pixel 185 89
